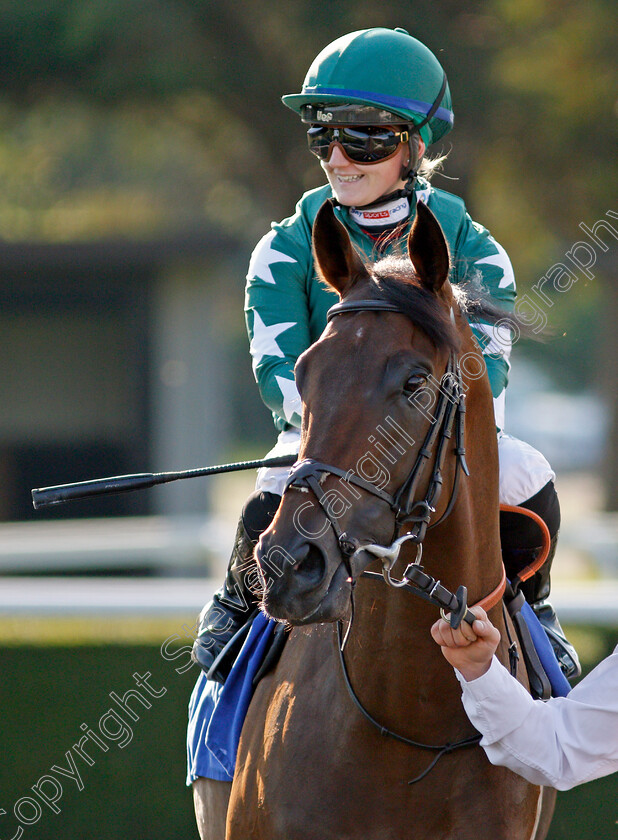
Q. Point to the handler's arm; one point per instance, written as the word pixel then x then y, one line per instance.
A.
pixel 562 742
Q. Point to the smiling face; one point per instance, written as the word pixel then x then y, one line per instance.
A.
pixel 356 184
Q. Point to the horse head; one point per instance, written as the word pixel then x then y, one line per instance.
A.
pixel 372 388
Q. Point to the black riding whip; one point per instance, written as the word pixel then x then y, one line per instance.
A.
pixel 44 496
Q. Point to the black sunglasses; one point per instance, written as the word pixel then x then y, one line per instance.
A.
pixel 366 145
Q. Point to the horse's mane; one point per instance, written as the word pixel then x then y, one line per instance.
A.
pixel 395 280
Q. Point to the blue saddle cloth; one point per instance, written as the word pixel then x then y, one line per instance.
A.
pixel 560 686
pixel 217 712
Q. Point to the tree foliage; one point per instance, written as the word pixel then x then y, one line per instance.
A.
pixel 549 165
pixel 213 72
pixel 148 116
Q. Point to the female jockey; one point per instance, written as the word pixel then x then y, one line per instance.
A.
pixel 372 101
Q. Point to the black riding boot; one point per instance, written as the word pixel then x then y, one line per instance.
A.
pixel 225 621
pixel 520 538
pixel 228 614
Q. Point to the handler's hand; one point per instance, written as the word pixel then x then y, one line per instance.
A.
pixel 469 649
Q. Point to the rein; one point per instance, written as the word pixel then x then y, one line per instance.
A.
pixel 309 474
pixel 441 749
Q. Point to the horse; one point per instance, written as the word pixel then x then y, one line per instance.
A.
pixel 366 735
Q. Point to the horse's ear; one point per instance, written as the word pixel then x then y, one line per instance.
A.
pixel 336 260
pixel 428 250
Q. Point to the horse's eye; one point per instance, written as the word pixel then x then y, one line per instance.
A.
pixel 414 382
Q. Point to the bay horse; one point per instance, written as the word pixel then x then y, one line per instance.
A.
pixel 376 448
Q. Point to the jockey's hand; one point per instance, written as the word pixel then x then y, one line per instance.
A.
pixel 469 648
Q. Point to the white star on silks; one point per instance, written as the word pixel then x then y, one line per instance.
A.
pixel 291 398
pixel 262 258
pixel 501 260
pixel 263 342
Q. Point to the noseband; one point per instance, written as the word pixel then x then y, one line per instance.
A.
pixel 448 418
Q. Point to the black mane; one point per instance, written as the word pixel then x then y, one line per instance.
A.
pixel 395 280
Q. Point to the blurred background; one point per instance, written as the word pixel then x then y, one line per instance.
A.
pixel 143 152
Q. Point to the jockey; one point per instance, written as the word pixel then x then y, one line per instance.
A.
pixel 373 101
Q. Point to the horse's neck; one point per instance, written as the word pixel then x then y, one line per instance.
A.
pixel 394 655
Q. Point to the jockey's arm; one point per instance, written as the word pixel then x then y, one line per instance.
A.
pixel 277 317
pixel 481 259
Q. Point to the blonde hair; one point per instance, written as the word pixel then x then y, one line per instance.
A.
pixel 430 165
pixel 427 166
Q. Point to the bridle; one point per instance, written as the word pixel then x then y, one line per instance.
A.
pixel 447 420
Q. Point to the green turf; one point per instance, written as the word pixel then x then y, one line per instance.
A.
pixel 138 792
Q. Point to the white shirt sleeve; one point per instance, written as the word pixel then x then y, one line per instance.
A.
pixel 562 742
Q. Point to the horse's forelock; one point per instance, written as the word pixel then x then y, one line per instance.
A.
pixel 397 282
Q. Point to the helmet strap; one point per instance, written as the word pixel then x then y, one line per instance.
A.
pixel 410 170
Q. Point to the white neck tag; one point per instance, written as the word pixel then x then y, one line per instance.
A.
pixel 390 213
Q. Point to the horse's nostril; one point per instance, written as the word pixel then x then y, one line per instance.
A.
pixel 310 564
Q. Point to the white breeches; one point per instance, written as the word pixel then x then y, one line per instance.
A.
pixel 523 470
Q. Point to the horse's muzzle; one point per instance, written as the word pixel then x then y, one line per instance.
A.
pixel 300 585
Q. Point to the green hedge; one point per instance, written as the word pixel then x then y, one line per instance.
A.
pixel 138 791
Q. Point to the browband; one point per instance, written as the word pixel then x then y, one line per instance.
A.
pixel 362 306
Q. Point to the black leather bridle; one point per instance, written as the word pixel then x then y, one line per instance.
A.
pixel 448 419
pixel 309 473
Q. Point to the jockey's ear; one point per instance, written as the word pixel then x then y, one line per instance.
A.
pixel 336 260
pixel 428 250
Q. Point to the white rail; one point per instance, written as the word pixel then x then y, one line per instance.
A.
pixel 155 542
pixel 593 603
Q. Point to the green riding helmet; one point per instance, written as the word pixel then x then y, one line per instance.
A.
pixel 376 76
